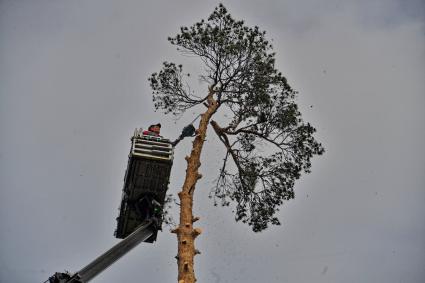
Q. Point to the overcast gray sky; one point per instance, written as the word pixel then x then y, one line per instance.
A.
pixel 73 86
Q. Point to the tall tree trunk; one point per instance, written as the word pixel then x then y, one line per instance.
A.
pixel 186 234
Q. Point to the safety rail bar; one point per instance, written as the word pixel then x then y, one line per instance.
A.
pixel 152 147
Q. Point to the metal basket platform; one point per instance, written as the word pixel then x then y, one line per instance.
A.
pixel 147 176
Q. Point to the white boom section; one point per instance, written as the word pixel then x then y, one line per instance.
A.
pixel 113 254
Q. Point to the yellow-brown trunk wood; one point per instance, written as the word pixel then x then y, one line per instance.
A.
pixel 186 234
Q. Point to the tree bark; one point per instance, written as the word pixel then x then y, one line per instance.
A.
pixel 186 234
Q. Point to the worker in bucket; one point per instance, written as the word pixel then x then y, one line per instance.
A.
pixel 188 131
pixel 153 130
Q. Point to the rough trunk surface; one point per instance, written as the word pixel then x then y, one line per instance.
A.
pixel 186 234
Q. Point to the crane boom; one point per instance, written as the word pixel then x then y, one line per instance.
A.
pixel 101 263
pixel 145 184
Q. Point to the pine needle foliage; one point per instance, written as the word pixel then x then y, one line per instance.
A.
pixel 266 139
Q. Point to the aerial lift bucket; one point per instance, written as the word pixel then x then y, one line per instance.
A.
pixel 145 183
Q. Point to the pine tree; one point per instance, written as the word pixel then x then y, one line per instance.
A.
pixel 267 144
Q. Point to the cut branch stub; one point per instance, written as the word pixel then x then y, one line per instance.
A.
pixel 196 232
pixel 194 219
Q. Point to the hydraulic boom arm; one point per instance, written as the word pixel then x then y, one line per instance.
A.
pixel 145 184
pixel 109 257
